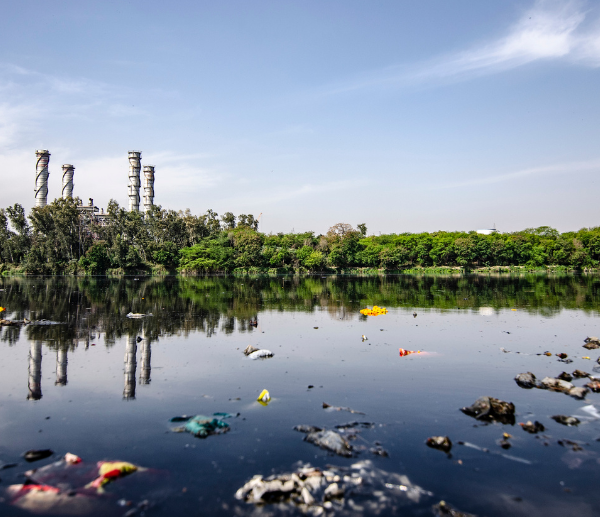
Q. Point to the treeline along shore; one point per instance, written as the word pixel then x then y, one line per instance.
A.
pixel 60 239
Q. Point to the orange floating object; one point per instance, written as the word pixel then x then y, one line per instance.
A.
pixel 408 352
pixel 375 311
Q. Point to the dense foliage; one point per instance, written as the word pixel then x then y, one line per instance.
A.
pixel 58 239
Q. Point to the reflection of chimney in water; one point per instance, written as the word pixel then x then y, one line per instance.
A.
pixel 61 367
pixel 130 364
pixel 145 355
pixel 35 371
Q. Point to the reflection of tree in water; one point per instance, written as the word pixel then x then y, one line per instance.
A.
pixel 95 308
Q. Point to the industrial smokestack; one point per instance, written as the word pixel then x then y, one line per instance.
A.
pixel 134 180
pixel 148 187
pixel 41 177
pixel 67 183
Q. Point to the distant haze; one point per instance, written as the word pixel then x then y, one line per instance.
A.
pixel 406 116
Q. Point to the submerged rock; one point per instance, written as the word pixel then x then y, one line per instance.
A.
pixel 533 428
pixel 566 420
pixel 526 380
pixel 491 410
pixel 441 443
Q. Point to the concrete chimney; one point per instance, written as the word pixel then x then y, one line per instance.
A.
pixel 148 187
pixel 41 177
pixel 134 180
pixel 67 180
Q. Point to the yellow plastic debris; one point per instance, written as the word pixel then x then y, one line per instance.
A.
pixel 513 309
pixel 586 357
pixel 264 398
pixel 375 311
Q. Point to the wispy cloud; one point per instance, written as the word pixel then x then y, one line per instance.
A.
pixel 571 168
pixel 550 30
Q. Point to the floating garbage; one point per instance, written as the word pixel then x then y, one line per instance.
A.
pixel 360 488
pixel 532 427
pixel 491 410
pixel 136 315
pixel 561 383
pixel 37 455
pixel 328 440
pixel 526 380
pixel 261 354
pixel 329 407
pixel 202 426
pixel 375 311
pixel 108 471
pixel 591 343
pixel 566 420
pixel 264 398
pixel 250 349
pixel 69 486
pixel 580 374
pixel 443 509
pixel 441 443
pixel 404 352
pixel 46 322
pixel 594 385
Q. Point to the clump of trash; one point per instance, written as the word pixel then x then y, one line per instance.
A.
pixel 375 311
pixel 591 342
pixel 328 440
pixel 202 426
pixel 136 315
pixel 566 420
pixel 490 409
pixel 532 427
pixel 68 486
pixel 442 443
pixel 264 398
pixel 443 509
pixel 329 407
pixel 561 383
pixel 360 488
pixel 404 352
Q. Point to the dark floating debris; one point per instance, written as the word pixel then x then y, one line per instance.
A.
pixel 560 383
pixel 353 425
pixel 504 443
pixel 580 374
pixel 378 450
pixel 328 440
pixel 566 420
pixel 37 455
pixel 202 426
pixel 329 407
pixel 532 428
pixel 564 376
pixel 594 385
pixel 314 491
pixel 575 446
pixel 442 443
pixel 562 355
pixel 490 409
pixel 591 343
pixel 526 380
pixel 250 349
pixel 443 509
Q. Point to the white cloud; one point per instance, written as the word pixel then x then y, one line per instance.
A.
pixel 550 30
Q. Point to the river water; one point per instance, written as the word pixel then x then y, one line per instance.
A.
pixel 104 386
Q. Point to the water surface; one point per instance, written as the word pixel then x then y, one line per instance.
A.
pixel 89 386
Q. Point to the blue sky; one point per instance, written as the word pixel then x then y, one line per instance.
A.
pixel 407 116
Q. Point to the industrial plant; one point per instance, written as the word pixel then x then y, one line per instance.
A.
pixel 90 211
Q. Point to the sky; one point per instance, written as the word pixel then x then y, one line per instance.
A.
pixel 405 116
